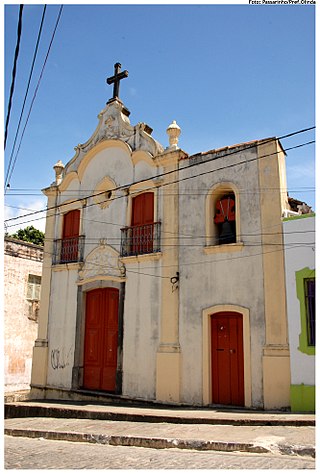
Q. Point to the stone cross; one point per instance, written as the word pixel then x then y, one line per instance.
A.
pixel 115 80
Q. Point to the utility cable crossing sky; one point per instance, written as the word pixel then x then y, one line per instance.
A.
pixel 170 172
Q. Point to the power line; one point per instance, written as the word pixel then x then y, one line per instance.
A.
pixel 14 72
pixel 35 92
pixel 197 191
pixel 201 238
pixel 190 165
pixel 202 262
pixel 137 191
pixel 27 91
pixel 218 260
pixel 161 175
pixel 183 236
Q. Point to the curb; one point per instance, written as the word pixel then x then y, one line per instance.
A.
pixel 27 411
pixel 161 443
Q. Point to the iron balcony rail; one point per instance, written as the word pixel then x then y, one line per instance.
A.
pixel 68 250
pixel 141 239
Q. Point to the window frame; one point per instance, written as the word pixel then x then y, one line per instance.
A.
pixel 310 311
pixel 73 240
pixel 218 226
pixel 301 277
pixel 214 194
pixel 35 287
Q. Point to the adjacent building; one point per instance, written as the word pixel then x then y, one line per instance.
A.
pixel 299 239
pixel 22 283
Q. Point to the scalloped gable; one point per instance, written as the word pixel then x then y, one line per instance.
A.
pixel 114 124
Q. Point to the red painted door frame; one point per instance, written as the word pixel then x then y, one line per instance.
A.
pixel 101 339
pixel 227 358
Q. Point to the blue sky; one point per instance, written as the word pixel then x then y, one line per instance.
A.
pixel 226 73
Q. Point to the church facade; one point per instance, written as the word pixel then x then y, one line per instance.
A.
pixel 163 275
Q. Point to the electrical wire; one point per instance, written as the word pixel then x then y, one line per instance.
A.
pixel 211 261
pixel 174 235
pixel 195 191
pixel 117 197
pixel 161 175
pixel 14 72
pixel 35 94
pixel 26 93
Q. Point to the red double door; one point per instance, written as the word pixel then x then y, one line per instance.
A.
pixel 227 359
pixel 101 339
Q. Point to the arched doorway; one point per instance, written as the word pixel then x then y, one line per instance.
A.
pixel 101 339
pixel 227 362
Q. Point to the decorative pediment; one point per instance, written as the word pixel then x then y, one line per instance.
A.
pixel 114 124
pixel 102 264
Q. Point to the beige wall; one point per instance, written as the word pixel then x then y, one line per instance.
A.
pixel 276 359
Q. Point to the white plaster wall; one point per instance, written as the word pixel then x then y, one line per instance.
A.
pixel 141 329
pixel 143 170
pixel 74 188
pixel 298 233
pixel 234 278
pixel 141 306
pixel 113 162
pixel 105 223
pixel 62 328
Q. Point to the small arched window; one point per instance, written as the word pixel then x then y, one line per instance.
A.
pixel 222 216
pixel 225 219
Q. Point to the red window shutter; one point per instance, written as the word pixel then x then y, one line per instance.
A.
pixel 71 224
pixel 142 222
pixel 148 208
pixel 70 236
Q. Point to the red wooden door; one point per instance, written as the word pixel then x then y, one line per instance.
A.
pixel 227 359
pixel 70 236
pixel 142 223
pixel 101 339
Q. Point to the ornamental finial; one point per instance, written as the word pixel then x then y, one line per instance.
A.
pixel 173 131
pixel 58 168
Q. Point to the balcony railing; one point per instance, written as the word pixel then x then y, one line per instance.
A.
pixel 68 250
pixel 139 240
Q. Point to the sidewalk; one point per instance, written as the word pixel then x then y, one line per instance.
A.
pixel 200 429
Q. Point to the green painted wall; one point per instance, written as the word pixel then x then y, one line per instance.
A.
pixel 302 398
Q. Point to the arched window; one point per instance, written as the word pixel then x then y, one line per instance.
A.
pixel 225 219
pixel 222 216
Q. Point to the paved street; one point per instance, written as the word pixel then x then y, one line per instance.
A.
pixel 26 453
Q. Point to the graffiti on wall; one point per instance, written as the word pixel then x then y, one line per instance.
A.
pixel 58 360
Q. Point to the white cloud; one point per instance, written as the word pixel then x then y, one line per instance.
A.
pixel 305 171
pixel 24 209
